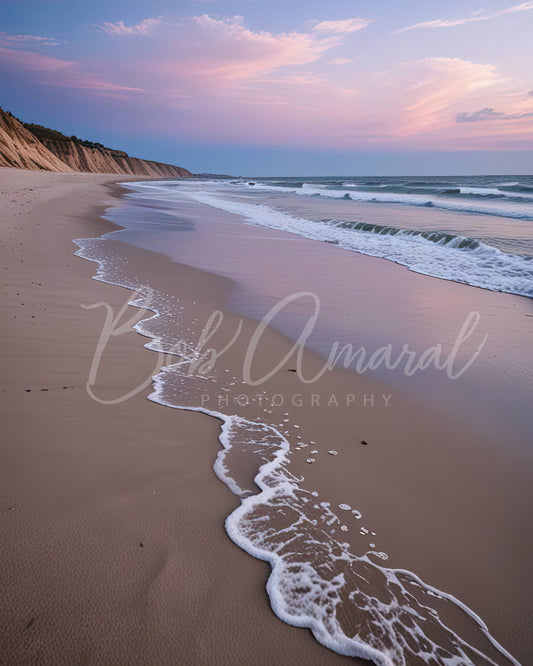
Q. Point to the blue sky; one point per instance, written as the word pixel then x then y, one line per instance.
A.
pixel 268 87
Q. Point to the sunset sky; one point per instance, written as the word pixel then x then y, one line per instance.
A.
pixel 265 87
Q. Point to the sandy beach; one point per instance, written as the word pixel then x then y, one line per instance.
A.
pixel 267 333
pixel 112 517
pixel 107 554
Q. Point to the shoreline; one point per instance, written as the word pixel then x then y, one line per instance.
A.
pixel 82 486
pixel 360 299
pixel 213 290
pixel 406 411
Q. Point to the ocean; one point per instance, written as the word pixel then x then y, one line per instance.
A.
pixel 345 543
pixel 476 230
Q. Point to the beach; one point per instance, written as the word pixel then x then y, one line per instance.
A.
pixel 81 491
pixel 117 546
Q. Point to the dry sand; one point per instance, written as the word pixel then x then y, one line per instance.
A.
pixel 112 547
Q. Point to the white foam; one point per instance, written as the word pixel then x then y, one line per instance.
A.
pixel 500 209
pixel 381 555
pixel 484 266
pixel 306 594
pixel 280 524
pixel 492 191
pixel 313 186
pixel 486 191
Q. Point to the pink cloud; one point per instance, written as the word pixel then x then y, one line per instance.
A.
pixel 223 51
pixel 413 104
pixel 216 79
pixel 417 104
pixel 56 72
pixel 236 52
pixel 227 75
pixel 441 83
pixel 226 81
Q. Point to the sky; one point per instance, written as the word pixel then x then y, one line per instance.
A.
pixel 271 87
